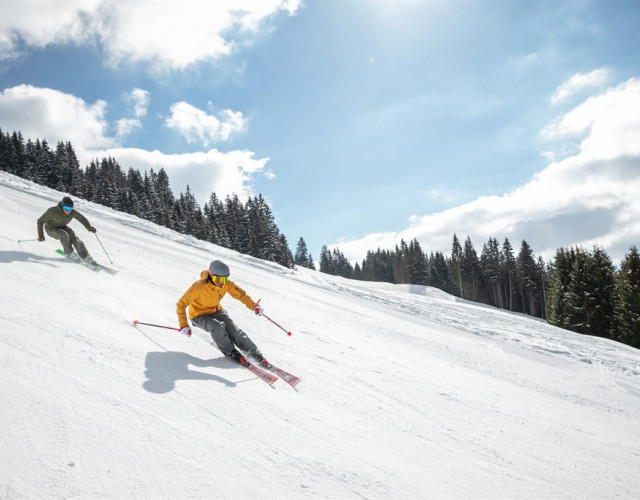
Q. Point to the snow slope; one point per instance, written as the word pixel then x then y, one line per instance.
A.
pixel 407 392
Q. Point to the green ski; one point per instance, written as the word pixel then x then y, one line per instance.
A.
pixel 94 267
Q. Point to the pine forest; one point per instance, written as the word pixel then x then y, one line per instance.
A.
pixel 579 290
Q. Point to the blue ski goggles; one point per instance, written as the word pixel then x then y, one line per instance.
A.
pixel 66 208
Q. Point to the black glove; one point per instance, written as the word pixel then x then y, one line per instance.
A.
pixel 92 229
pixel 40 238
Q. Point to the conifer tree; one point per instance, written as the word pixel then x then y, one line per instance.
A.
pixel 17 157
pixel 470 265
pixel 440 274
pixel 30 160
pixel 509 269
pixel 44 168
pixel 236 223
pixel 152 200
pixel 417 264
pixel 357 272
pixel 559 280
pixel 5 162
pixel 341 265
pixel 190 216
pixel 75 172
pixel 61 175
pixel 543 273
pixel 311 264
pixel 367 267
pixel 166 199
pixel 605 293
pixel 527 278
pixel 133 198
pixel 214 222
pixel 326 264
pixel 302 257
pixel 491 263
pixel 284 257
pixel 591 294
pixel 400 263
pixel 628 310
pixel 456 264
pixel 263 237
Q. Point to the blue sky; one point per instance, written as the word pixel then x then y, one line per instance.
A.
pixel 362 122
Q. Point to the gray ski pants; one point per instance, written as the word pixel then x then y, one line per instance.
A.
pixel 68 239
pixel 224 332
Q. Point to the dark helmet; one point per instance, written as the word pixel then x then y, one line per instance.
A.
pixel 218 268
pixel 67 202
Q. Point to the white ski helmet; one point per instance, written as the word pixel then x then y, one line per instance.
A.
pixel 218 268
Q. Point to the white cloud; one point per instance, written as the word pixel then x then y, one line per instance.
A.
pixel 169 35
pixel 580 82
pixel 590 197
pixel 49 114
pixel 38 24
pixel 610 121
pixel 139 99
pixel 126 126
pixel 41 113
pixel 195 124
pixel 205 172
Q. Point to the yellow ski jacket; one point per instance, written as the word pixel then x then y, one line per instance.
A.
pixel 204 298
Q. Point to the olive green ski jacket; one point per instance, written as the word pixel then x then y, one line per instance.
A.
pixel 56 218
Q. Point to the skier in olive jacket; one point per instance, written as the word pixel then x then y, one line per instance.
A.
pixel 205 311
pixel 54 221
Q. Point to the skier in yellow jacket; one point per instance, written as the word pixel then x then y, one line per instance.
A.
pixel 203 300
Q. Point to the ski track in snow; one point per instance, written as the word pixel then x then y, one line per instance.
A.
pixel 406 392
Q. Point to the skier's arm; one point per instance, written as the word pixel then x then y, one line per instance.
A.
pixel 181 308
pixel 82 220
pixel 238 293
pixel 41 222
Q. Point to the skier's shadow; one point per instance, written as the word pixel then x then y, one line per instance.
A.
pixel 9 256
pixel 164 369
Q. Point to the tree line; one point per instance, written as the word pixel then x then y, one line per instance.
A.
pixel 247 227
pixel 579 290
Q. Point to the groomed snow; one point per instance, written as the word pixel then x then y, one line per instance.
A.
pixel 406 392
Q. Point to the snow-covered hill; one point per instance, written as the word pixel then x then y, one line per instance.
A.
pixel 407 392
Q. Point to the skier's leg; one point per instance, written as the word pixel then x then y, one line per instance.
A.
pixel 61 235
pixel 78 244
pixel 238 337
pixel 218 332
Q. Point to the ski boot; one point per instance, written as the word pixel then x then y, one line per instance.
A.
pixel 89 260
pixel 259 358
pixel 73 256
pixel 237 356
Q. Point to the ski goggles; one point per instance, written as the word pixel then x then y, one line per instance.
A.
pixel 66 208
pixel 219 279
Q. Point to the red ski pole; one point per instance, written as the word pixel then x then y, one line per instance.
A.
pixel 283 329
pixel 136 323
